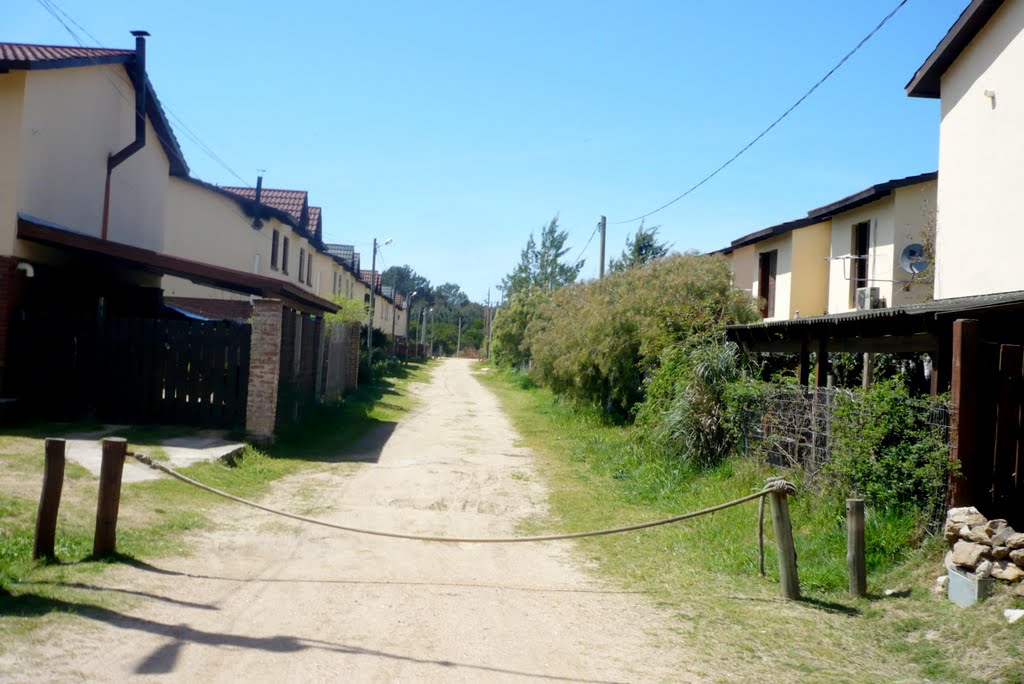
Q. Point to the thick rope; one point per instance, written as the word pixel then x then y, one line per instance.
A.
pixel 775 486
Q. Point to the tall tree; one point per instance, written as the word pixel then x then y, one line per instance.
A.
pixel 451 294
pixel 405 280
pixel 542 267
pixel 641 249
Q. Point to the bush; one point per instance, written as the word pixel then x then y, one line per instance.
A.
pixel 890 449
pixel 598 341
pixel 696 402
pixel 509 346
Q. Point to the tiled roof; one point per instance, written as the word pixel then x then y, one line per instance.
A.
pixel 315 216
pixel 26 56
pixel 346 253
pixel 367 276
pixel 290 201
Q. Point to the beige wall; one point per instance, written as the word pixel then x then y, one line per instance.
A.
pixel 12 92
pixel 744 268
pixel 981 172
pixel 73 119
pixel 896 221
pixel 809 280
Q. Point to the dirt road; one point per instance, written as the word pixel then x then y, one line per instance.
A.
pixel 270 600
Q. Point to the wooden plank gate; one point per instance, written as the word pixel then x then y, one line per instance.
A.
pixel 998 480
pixel 131 370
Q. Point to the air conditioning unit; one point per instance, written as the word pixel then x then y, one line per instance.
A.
pixel 868 298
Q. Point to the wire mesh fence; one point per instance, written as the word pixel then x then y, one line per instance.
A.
pixel 793 426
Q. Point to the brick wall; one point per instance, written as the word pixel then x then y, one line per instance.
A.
pixel 264 369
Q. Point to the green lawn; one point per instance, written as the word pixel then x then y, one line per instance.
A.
pixel 704 572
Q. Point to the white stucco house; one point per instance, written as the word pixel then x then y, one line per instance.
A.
pixel 977 73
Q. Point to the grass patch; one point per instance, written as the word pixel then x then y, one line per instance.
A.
pixel 157 515
pixel 705 571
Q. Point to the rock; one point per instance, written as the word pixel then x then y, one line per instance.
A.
pixel 1000 552
pixel 1019 591
pixel 969 555
pixel 1018 557
pixel 941 584
pixel 976 534
pixel 1006 570
pixel 984 569
pixel 1000 537
pixel 994 527
pixel 1013 614
pixel 948 561
pixel 957 518
pixel 1015 541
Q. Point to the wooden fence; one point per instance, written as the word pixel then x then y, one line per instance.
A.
pixel 131 370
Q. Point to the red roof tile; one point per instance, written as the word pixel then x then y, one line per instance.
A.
pixel 23 55
pixel 315 215
pixel 290 201
pixel 365 276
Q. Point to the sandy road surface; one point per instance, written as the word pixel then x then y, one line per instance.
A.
pixel 270 601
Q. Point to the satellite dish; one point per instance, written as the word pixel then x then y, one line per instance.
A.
pixel 913 259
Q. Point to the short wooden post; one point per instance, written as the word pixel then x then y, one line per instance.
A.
pixel 963 421
pixel 788 579
pixel 49 499
pixel 105 540
pixel 855 547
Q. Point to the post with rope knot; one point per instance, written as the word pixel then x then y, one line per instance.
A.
pixel 779 491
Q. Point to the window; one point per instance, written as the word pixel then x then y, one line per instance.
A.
pixel 766 282
pixel 274 239
pixel 284 256
pixel 309 269
pixel 860 251
pixel 302 265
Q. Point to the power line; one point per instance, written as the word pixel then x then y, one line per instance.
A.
pixel 56 11
pixel 777 121
pixel 577 260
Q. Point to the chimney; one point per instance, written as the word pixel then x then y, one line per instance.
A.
pixel 257 223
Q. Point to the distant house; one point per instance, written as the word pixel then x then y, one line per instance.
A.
pixel 850 248
pixel 976 72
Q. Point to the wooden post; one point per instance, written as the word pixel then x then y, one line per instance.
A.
pixel 49 499
pixel 855 547
pixel 105 540
pixel 788 579
pixel 805 364
pixel 963 423
pixel 821 365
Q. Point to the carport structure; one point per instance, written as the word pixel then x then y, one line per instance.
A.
pixel 975 344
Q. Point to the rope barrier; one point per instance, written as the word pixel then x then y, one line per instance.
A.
pixel 772 486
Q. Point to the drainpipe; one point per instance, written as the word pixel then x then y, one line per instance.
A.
pixel 115 160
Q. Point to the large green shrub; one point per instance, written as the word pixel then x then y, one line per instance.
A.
pixel 510 347
pixel 694 402
pixel 598 341
pixel 890 449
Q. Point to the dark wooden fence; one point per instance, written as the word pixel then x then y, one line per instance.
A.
pixel 132 370
pixel 301 360
pixel 998 480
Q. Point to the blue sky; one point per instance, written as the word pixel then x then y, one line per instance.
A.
pixel 455 128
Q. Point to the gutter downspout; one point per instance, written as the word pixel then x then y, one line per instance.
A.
pixel 115 160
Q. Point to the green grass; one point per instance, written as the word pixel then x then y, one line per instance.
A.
pixel 705 571
pixel 156 516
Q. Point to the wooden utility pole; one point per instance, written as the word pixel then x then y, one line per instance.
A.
pixel 487 329
pixel 963 421
pixel 603 225
pixel 373 288
pixel 49 499
pixel 458 343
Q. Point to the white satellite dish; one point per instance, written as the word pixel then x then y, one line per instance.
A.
pixel 913 259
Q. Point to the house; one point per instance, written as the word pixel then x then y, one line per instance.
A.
pixel 975 73
pixel 819 263
pixel 90 181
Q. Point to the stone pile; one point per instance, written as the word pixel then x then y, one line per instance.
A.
pixel 987 548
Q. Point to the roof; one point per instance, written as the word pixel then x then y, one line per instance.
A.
pixel 295 203
pixel 869 195
pixel 26 57
pixel 346 255
pixel 316 223
pixel 43 232
pixel 368 277
pixel 926 81
pixel 857 199
pixel 248 205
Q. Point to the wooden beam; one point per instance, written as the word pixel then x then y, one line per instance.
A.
pixel 821 365
pixel 805 363
pixel 963 429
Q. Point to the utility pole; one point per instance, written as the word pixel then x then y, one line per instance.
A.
pixel 369 328
pixel 458 343
pixel 487 320
pixel 603 225
pixel 431 332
